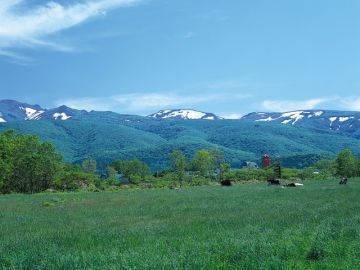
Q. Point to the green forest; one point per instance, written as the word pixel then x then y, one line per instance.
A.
pixel 106 139
pixel 28 165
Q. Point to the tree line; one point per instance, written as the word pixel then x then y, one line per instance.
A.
pixel 28 165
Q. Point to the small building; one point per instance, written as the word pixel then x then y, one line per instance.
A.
pixel 265 161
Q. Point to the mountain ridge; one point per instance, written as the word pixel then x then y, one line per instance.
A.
pixel 36 112
pixel 107 136
pixel 347 122
pixel 343 121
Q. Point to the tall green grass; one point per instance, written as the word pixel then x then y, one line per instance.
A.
pixel 212 227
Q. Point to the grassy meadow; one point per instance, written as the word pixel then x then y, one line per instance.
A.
pixel 249 226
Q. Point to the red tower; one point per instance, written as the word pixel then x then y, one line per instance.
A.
pixel 266 161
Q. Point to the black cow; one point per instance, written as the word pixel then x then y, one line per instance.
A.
pixel 293 185
pixel 290 185
pixel 226 183
pixel 343 181
pixel 273 182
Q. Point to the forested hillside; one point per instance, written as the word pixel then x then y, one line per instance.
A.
pixel 108 136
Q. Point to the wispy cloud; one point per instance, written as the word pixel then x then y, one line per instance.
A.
pixel 214 15
pixel 350 103
pixel 335 103
pixel 189 35
pixel 25 26
pixel 232 116
pixel 145 103
pixel 134 102
pixel 289 105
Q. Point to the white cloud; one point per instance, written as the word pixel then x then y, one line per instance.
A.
pixel 21 26
pixel 290 105
pixel 332 103
pixel 145 103
pixel 89 104
pixel 351 104
pixel 232 116
pixel 136 103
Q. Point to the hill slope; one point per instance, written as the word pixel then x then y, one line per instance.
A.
pixel 152 140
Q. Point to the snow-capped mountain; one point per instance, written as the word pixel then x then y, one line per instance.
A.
pixel 62 113
pixel 184 114
pixel 334 120
pixel 11 110
pixel 339 121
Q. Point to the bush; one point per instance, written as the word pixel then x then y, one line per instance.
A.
pixel 71 178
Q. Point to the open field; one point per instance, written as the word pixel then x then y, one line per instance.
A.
pixel 245 227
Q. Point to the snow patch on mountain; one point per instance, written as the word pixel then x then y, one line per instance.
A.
pixel 344 119
pixel 296 116
pixel 32 114
pixel 2 120
pixel 62 116
pixel 320 119
pixel 265 119
pixel 184 114
pixel 286 117
pixel 319 113
pixel 286 121
pixel 332 120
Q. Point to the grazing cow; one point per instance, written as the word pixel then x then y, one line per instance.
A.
pixel 226 183
pixel 293 185
pixel 273 182
pixel 343 181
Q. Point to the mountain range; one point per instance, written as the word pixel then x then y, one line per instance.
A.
pixel 343 121
pixel 298 138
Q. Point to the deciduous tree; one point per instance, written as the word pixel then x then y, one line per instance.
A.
pixel 345 164
pixel 179 164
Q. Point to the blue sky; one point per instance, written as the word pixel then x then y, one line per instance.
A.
pixel 138 56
